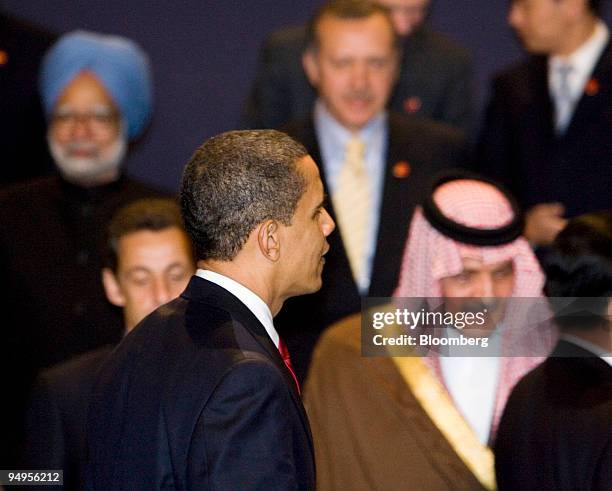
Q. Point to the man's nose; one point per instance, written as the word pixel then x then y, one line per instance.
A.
pixel 80 129
pixel 328 223
pixel 359 76
pixel 162 292
pixel 484 287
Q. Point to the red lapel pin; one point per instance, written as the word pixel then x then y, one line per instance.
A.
pixel 412 104
pixel 592 87
pixel 401 169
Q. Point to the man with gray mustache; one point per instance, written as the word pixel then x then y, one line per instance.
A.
pixel 97 95
pixel 373 163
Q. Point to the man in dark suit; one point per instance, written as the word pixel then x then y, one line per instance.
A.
pixel 434 78
pixel 352 61
pixel 546 133
pixel 556 431
pixel 148 262
pixel 202 395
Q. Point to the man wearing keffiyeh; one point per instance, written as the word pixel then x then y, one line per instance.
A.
pixel 384 422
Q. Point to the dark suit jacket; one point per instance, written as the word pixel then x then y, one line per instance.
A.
pixel 518 144
pixel 426 147
pixel 50 262
pixel 57 418
pixel 556 430
pixel 435 81
pixel 198 397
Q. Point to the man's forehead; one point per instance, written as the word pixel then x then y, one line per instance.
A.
pixel 473 263
pixel 85 87
pixel 146 239
pixel 331 24
pixel 407 4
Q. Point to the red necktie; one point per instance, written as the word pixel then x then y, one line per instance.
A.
pixel 284 352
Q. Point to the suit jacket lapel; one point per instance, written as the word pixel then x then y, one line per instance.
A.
pixel 393 220
pixel 594 97
pixel 205 291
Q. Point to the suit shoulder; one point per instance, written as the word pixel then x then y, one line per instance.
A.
pixel 441 46
pixel 403 126
pixel 77 372
pixel 138 189
pixel 300 129
pixel 25 192
pixel 346 333
pixel 519 72
pixel 287 38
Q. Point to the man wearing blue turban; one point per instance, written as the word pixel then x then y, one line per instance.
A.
pixel 97 96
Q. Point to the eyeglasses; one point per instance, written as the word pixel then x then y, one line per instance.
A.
pixel 98 120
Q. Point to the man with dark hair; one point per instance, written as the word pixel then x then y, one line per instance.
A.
pixel 203 395
pixel 148 262
pixel 556 431
pixel 374 164
pixel 434 75
pixel 546 133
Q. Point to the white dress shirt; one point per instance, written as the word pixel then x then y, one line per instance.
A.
pixel 582 62
pixel 472 383
pixel 254 303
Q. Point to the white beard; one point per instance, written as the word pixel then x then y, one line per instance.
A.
pixel 89 171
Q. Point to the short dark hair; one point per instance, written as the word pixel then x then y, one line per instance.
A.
pixel 144 214
pixel 580 264
pixel 595 6
pixel 347 9
pixel 234 182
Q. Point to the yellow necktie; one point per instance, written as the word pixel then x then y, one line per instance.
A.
pixel 352 203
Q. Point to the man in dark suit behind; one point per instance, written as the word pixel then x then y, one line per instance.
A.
pixel 547 130
pixel 556 430
pixel 434 77
pixel 202 394
pixel 148 262
pixel 352 60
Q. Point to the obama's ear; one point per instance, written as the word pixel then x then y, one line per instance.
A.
pixel 268 239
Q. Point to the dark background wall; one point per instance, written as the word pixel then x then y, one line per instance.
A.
pixel 204 54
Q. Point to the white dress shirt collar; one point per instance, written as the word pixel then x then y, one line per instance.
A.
pixel 582 61
pixel 254 303
pixel 592 348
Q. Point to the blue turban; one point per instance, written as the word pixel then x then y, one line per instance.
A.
pixel 120 64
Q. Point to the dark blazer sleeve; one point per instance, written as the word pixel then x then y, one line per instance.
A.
pixel 245 437
pixel 44 443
